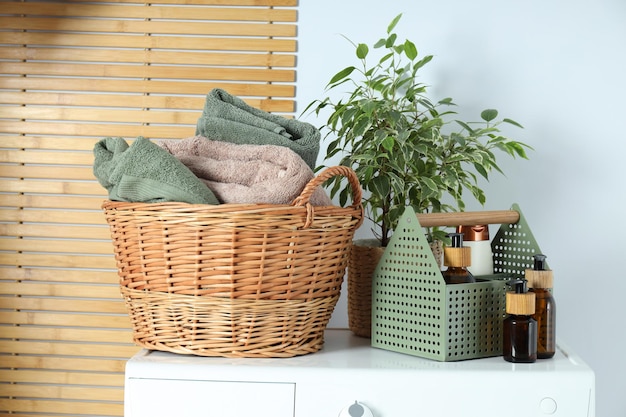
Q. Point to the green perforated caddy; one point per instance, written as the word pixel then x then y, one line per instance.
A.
pixel 415 312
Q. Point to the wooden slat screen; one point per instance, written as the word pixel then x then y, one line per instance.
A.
pixel 71 73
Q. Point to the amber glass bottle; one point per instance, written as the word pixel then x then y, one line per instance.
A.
pixel 540 279
pixel 519 336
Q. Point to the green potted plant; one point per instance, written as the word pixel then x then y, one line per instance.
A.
pixel 405 148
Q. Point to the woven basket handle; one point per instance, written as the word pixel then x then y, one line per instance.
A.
pixel 326 174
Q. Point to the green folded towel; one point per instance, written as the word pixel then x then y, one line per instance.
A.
pixel 144 172
pixel 229 119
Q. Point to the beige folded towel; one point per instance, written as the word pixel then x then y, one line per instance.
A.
pixel 241 173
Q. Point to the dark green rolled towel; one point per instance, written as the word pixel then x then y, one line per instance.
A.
pixel 144 172
pixel 229 119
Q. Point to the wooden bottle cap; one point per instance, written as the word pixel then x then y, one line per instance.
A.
pixel 520 303
pixel 457 256
pixel 539 279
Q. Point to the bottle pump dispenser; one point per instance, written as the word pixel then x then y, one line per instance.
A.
pixel 457 258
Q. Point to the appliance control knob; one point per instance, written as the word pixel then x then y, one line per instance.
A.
pixel 357 409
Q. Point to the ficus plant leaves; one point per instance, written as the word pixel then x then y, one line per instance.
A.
pixel 489 114
pixel 362 50
pixel 410 50
pixel 341 75
pixel 405 147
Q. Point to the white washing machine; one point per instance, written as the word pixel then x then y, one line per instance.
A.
pixel 349 378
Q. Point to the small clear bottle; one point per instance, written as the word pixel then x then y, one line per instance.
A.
pixel 457 258
pixel 540 281
pixel 477 238
pixel 519 336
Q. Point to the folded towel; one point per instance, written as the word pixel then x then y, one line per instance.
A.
pixel 229 119
pixel 246 173
pixel 144 172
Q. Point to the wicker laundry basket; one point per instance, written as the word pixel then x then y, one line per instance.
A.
pixel 233 280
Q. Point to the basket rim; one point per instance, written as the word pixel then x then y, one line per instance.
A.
pixel 300 205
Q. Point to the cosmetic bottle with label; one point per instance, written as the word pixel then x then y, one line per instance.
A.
pixel 540 281
pixel 477 238
pixel 519 334
pixel 457 258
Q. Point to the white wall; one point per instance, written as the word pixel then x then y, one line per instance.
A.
pixel 557 67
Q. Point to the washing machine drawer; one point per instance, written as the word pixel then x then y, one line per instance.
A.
pixel 189 398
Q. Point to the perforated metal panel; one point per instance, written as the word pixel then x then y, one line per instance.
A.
pixel 513 247
pixel 415 312
pixel 408 295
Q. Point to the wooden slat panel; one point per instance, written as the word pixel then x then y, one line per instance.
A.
pixel 95 336
pixel 70 364
pixel 60 290
pixel 130 101
pixel 63 9
pixel 55 202
pixel 65 158
pixel 212 58
pixel 47 377
pixel 56 246
pixel 12 414
pixel 50 187
pixel 74 408
pixel 290 3
pixel 62 304
pixel 151 26
pixel 62 231
pixel 149 42
pixel 46 143
pixel 94 114
pixel 145 86
pixel 74 72
pixel 97 130
pixel 53 275
pixel 71 349
pixel 57 377
pixel 63 392
pixel 53 216
pixel 61 261
pixel 85 335
pixel 48 172
pixel 63 319
pixel 146 71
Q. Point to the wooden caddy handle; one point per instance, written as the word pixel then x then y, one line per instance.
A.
pixel 468 218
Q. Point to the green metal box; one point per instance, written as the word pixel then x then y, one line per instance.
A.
pixel 415 312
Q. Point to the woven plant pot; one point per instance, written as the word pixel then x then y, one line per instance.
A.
pixel 364 256
pixel 437 248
